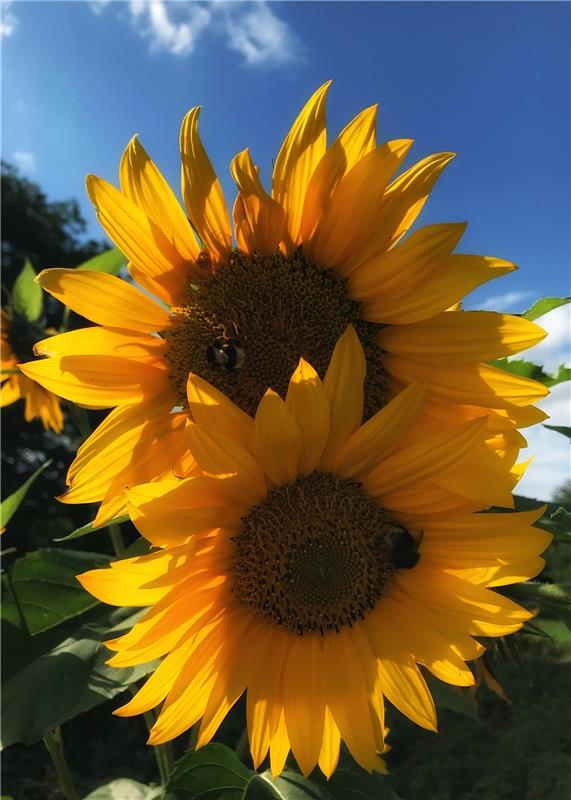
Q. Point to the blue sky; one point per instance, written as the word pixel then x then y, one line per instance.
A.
pixel 489 81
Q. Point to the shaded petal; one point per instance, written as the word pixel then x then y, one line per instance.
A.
pixel 308 403
pixel 264 218
pixel 343 384
pixel 355 141
pixel 379 435
pixel 462 337
pixel 277 439
pixel 298 157
pixel 216 413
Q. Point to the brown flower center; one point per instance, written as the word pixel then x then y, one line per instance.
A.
pixel 317 555
pixel 245 327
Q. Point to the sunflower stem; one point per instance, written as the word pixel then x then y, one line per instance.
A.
pixel 242 746
pixel 54 746
pixel 162 752
pixel 116 539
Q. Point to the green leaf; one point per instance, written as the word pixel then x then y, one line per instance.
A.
pixel 111 262
pixel 533 371
pixel 125 789
pixel 552 599
pixel 91 528
pixel 353 784
pixel 11 504
pixel 214 771
pixel 543 306
pixel 42 590
pixel 562 375
pixel 566 431
pixel 67 679
pixel 27 297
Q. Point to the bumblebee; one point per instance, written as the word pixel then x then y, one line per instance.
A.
pixel 405 553
pixel 227 353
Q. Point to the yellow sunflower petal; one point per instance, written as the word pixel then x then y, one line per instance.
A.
pixel 264 217
pixel 346 696
pixel 142 183
pixel 329 754
pixel 298 157
pixel 355 141
pixel 104 299
pixel 202 191
pixel 352 215
pixel 401 204
pixel 137 237
pixel 308 403
pixel 216 413
pixel 480 384
pixel 343 384
pixel 304 700
pixel 462 337
pixel 97 381
pixel 401 681
pixel 428 458
pixel 277 439
pixel 381 434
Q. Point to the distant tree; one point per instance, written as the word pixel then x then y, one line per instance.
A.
pixel 562 494
pixel 49 233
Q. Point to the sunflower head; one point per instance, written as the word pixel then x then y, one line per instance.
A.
pixel 316 563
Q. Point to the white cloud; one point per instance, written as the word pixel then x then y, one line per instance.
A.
pixel 508 302
pixel 260 36
pixel 173 27
pixel 8 22
pixel 98 6
pixel 551 466
pixel 25 160
pixel 555 349
pixel 251 29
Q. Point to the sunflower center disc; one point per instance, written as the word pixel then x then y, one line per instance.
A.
pixel 315 555
pixel 245 327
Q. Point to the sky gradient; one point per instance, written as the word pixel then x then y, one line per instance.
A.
pixel 489 81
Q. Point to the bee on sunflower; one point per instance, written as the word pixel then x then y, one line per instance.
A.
pixel 315 563
pixel 326 249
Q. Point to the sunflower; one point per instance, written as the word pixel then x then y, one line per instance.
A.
pixel 17 339
pixel 326 249
pixel 314 565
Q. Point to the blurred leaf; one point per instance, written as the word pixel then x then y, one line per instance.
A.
pixel 214 771
pixel 533 371
pixel 287 786
pixel 356 784
pixel 552 599
pixel 563 374
pixel 10 505
pixel 555 520
pixel 125 789
pixel 42 590
pixel 566 431
pixel 454 698
pixel 544 305
pixel 110 261
pixel 562 518
pixel 27 297
pixel 89 528
pixel 67 680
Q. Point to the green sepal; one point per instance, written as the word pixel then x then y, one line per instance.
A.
pixel 27 297
pixel 111 262
pixel 10 504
